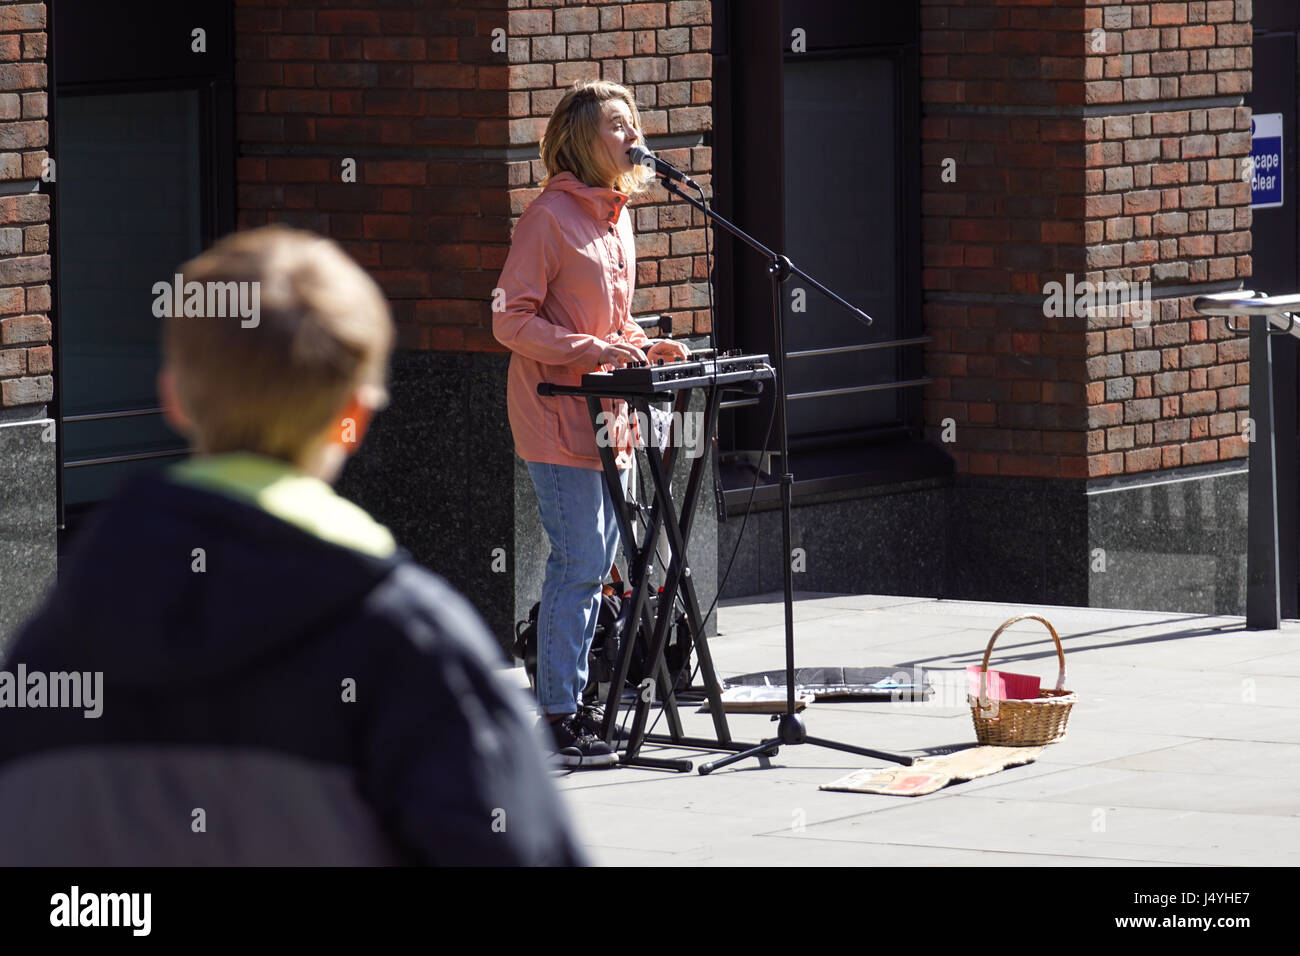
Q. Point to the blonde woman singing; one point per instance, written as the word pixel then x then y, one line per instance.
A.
pixel 568 284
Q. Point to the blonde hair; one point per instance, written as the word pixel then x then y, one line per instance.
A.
pixel 571 141
pixel 322 331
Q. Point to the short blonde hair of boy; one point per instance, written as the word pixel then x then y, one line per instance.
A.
pixel 572 135
pixel 323 331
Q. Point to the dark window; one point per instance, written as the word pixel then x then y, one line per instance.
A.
pixel 142 125
pixel 841 225
pixel 817 154
pixel 129 209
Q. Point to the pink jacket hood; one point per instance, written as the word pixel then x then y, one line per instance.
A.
pixel 599 202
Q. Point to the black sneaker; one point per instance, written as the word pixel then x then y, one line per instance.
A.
pixel 591 719
pixel 574 747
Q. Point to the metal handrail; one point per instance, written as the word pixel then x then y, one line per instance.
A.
pixel 854 389
pixel 118 459
pixel 101 416
pixel 866 346
pixel 829 392
pixel 1278 308
pixel 1245 302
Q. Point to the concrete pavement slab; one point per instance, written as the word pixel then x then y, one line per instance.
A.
pixel 1181 752
pixel 1064 829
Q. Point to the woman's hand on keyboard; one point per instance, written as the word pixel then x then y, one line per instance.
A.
pixel 619 354
pixel 668 350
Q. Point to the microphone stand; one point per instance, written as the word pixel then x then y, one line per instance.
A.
pixel 790 729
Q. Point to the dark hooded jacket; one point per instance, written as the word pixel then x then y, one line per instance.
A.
pixel 227 735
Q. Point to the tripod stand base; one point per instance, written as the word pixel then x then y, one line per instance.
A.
pixel 791 734
pixel 679 765
pixel 696 743
pixel 655 763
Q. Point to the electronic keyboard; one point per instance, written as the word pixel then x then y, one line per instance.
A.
pixel 654 377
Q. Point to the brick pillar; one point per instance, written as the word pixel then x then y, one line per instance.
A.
pixel 1168 189
pixel 1097 143
pixel 27 460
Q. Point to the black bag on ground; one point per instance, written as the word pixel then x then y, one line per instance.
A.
pixel 603 658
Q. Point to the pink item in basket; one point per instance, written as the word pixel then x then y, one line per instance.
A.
pixel 1003 685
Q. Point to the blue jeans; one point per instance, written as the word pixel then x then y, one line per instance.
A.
pixel 579 518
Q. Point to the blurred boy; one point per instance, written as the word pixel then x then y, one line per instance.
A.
pixel 281 683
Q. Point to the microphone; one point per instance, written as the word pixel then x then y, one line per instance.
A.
pixel 643 157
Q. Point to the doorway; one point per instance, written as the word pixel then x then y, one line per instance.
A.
pixel 142 138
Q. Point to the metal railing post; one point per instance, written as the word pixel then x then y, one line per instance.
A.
pixel 1263 597
pixel 1263 600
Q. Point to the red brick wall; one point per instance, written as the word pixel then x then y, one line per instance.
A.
pixel 1065 173
pixel 439 124
pixel 26 357
pixel 1175 393
pixel 318 84
pixel 1008 378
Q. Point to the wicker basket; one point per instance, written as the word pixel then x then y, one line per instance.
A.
pixel 1022 723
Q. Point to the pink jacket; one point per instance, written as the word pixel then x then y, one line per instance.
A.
pixel 567 286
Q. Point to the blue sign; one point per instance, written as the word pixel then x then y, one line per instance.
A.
pixel 1266 160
